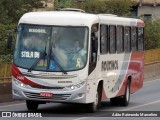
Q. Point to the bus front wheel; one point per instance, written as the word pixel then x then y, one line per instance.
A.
pixel 92 107
pixel 32 105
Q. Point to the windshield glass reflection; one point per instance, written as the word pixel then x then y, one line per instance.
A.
pixel 66 46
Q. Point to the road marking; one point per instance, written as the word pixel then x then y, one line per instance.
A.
pixel 11 105
pixel 81 118
pixel 121 110
pixel 151 81
pixel 140 105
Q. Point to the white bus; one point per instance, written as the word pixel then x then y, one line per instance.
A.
pixel 77 57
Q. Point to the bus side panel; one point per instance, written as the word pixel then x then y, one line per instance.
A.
pixel 122 89
pixel 114 68
pixel 135 71
pixel 137 66
pixel 91 87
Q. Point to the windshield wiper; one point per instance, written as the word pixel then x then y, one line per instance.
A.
pixel 37 61
pixel 60 67
pixel 44 54
pixel 53 56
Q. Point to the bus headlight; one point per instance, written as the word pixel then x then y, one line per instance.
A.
pixel 19 83
pixel 76 86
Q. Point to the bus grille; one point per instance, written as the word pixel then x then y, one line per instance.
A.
pixel 55 96
pixel 46 87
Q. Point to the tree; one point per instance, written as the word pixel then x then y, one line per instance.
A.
pixel 10 12
pixel 3 13
pixel 13 10
pixel 152 34
pixel 118 7
pixel 121 8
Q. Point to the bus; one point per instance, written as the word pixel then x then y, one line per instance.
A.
pixel 77 57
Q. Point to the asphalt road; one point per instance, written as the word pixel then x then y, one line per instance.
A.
pixel 147 99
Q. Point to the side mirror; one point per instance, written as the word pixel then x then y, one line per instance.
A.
pixel 10 38
pixel 9 41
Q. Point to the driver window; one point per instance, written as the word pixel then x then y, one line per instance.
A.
pixel 94 43
pixel 93 47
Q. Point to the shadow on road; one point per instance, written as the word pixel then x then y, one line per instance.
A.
pixel 69 110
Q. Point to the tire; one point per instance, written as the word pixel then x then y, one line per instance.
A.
pixel 92 107
pixel 114 101
pixel 124 101
pixel 32 105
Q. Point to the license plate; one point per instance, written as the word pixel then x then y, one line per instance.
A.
pixel 47 95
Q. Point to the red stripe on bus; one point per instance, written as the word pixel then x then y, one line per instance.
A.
pixel 140 24
pixel 19 76
pixel 135 70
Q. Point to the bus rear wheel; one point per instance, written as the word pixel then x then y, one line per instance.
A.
pixel 124 101
pixel 32 105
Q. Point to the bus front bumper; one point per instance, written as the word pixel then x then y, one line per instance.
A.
pixel 21 92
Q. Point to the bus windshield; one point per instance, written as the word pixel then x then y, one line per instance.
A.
pixel 51 48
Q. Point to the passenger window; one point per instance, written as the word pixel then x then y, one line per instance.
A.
pixel 127 35
pixel 112 40
pixel 134 39
pixel 140 39
pixel 119 39
pixel 103 39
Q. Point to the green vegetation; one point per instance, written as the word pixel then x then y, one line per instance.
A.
pixel 152 34
pixel 118 7
pixel 11 11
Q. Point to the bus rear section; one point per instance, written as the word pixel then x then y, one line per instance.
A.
pixel 121 58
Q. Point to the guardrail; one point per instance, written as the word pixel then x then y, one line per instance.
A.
pixel 151 57
pixel 5 72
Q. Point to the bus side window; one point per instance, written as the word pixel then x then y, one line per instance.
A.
pixel 140 39
pixel 112 39
pixel 103 39
pixel 127 38
pixel 120 36
pixel 134 39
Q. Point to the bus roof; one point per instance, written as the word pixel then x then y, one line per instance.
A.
pixel 71 18
pixel 115 20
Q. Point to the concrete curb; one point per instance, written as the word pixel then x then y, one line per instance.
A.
pixel 5 92
pixel 151 71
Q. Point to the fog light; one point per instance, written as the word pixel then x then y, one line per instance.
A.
pixel 72 87
pixel 21 84
pixel 76 86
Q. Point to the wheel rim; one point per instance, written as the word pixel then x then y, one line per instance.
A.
pixel 127 93
pixel 96 101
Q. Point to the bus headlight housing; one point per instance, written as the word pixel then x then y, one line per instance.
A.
pixel 76 86
pixel 19 83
